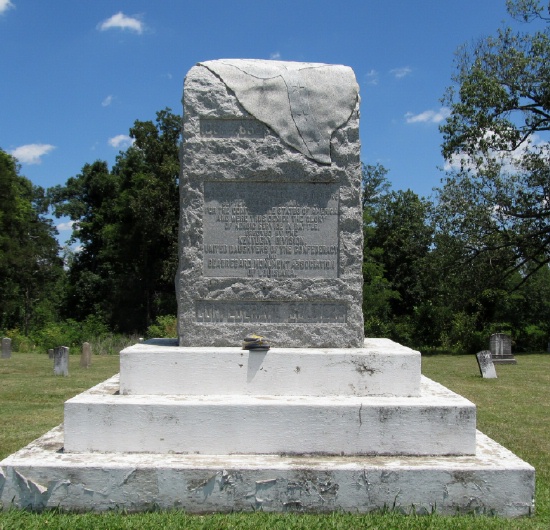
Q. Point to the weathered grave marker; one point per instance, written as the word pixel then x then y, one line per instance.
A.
pixel 61 361
pixel 6 348
pixel 486 366
pixel 501 349
pixel 86 355
pixel 271 220
pixel 50 353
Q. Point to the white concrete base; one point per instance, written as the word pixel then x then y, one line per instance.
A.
pixel 494 481
pixel 381 368
pixel 439 422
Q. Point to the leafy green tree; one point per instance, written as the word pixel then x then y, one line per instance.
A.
pixel 126 221
pixel 498 195
pixel 397 238
pixel 377 290
pixel 30 268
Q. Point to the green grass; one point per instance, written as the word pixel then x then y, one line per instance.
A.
pixel 31 397
pixel 513 409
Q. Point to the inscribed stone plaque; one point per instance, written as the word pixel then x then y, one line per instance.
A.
pixel 270 230
pixel 253 312
pixel 271 238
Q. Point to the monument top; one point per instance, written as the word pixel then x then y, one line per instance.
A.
pixel 304 103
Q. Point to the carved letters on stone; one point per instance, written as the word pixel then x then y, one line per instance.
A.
pixel 267 230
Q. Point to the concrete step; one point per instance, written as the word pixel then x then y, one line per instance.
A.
pixel 41 475
pixel 438 422
pixel 381 368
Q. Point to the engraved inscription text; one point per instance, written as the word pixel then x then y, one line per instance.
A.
pixel 218 311
pixel 232 128
pixel 268 230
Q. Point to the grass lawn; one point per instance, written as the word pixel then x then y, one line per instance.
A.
pixel 513 409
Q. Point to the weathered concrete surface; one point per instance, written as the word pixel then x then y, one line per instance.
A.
pixel 39 476
pixel 381 368
pixel 438 422
pixel 271 240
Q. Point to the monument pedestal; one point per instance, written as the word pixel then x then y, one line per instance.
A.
pixel 243 449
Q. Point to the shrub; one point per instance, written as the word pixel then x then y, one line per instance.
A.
pixel 164 327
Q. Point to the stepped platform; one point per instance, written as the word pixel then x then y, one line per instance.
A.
pixel 353 430
pixel 381 368
pixel 438 422
pixel 42 475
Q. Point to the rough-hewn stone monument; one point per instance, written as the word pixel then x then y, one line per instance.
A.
pixel 271 222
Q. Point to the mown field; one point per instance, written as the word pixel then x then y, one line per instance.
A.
pixel 513 409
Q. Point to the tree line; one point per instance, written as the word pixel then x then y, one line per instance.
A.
pixel 444 272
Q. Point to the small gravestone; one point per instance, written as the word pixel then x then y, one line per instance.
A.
pixel 486 366
pixel 50 353
pixel 61 361
pixel 271 219
pixel 501 349
pixel 6 348
pixel 86 355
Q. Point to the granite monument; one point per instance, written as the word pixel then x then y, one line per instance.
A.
pixel 271 220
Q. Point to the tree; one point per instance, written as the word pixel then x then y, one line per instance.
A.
pixel 397 241
pixel 126 221
pixel 498 194
pixel 377 290
pixel 30 268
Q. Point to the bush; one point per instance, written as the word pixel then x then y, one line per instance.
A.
pixel 164 327
pixel 19 342
pixel 532 338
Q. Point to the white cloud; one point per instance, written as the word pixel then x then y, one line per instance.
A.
pixel 5 5
pixel 65 226
pixel 107 101
pixel 399 73
pixel 509 160
pixel 122 21
pixel 32 153
pixel 275 56
pixel 371 78
pixel 121 140
pixel 428 116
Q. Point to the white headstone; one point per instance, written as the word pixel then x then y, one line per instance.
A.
pixel 61 361
pixel 486 366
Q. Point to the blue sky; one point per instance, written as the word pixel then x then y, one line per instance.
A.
pixel 76 74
